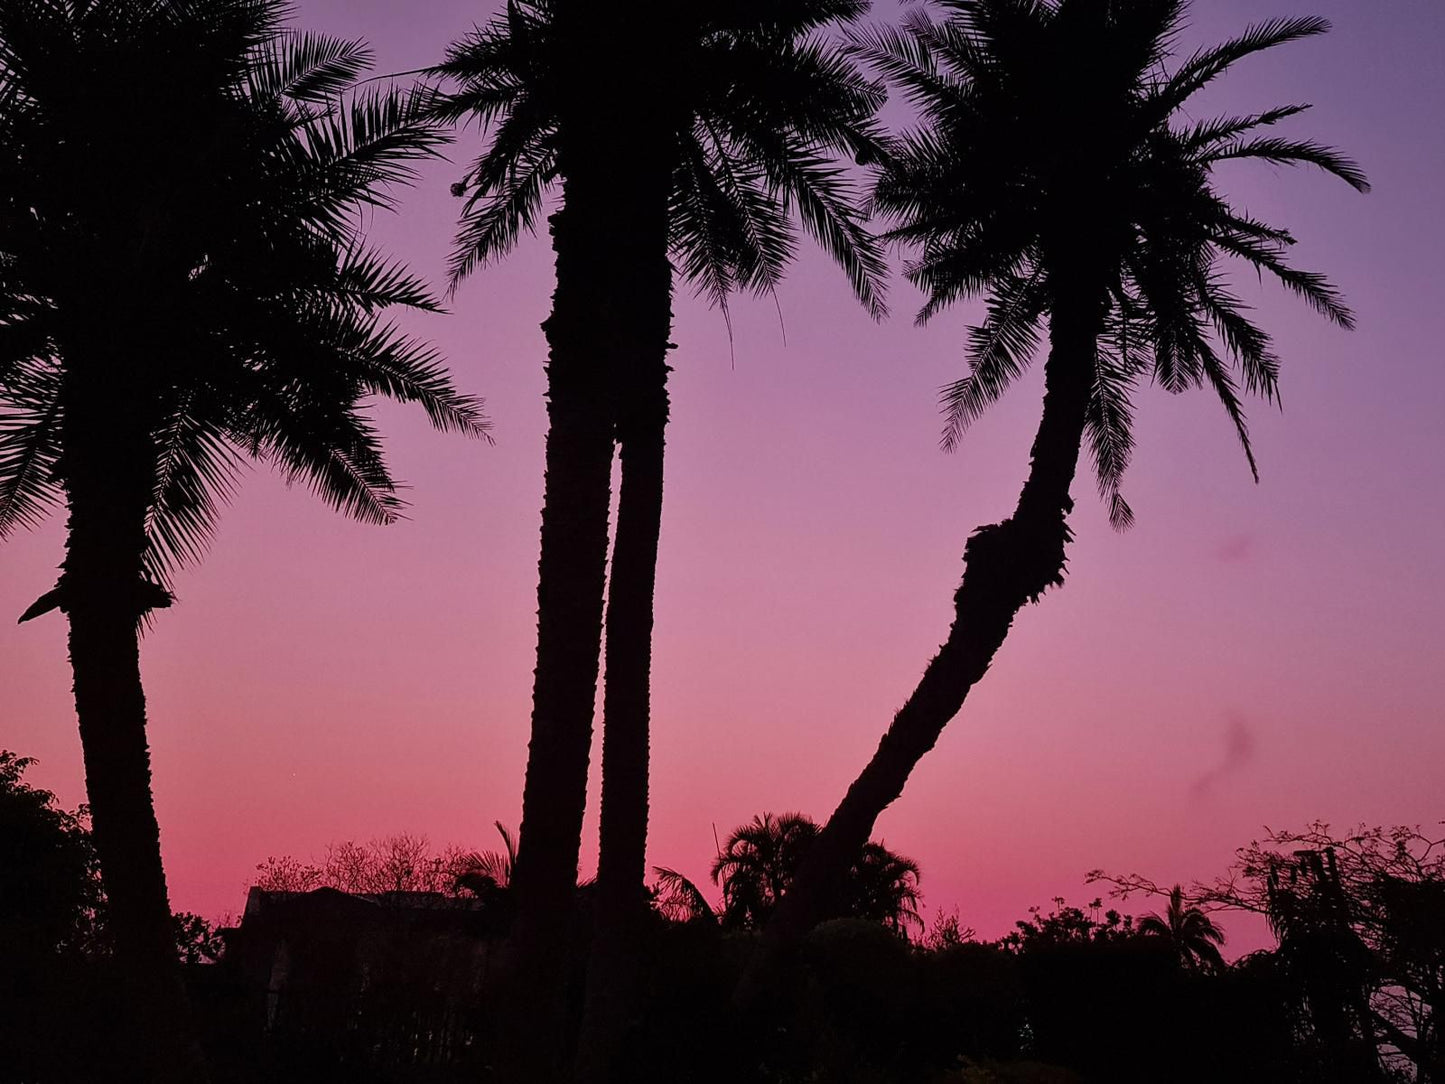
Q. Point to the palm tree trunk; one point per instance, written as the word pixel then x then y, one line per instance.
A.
pixel 608 337
pixel 1006 565
pixel 107 463
pixel 571 574
pixel 621 902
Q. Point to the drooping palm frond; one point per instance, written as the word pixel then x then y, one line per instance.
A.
pixel 680 900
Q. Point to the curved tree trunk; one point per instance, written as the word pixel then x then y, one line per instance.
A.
pixel 108 460
pixel 1006 565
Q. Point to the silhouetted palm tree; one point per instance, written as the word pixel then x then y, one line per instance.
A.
pixel 1055 173
pixel 757 866
pixel 700 138
pixel 1191 933
pixel 183 285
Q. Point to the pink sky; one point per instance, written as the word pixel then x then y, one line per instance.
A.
pixel 1245 656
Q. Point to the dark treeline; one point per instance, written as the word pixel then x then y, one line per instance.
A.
pixel 381 962
pixel 185 285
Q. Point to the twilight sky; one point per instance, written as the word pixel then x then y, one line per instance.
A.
pixel 1245 656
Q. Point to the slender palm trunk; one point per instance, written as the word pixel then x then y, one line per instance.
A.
pixel 621 902
pixel 610 242
pixel 1006 565
pixel 571 571
pixel 108 470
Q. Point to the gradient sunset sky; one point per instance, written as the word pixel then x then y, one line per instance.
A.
pixel 1247 655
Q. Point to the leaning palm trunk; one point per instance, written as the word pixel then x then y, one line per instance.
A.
pixel 621 906
pixel 1006 565
pixel 106 594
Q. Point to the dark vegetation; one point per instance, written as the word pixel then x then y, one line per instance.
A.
pixel 381 962
pixel 185 284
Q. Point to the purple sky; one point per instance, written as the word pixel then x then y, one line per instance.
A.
pixel 1245 656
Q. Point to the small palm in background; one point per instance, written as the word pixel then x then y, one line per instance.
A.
pixel 1190 932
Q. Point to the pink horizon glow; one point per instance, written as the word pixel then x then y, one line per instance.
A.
pixel 1245 656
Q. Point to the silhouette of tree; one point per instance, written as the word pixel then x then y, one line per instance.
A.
pixel 699 139
pixel 49 889
pixel 1193 935
pixel 183 285
pixel 1360 918
pixel 758 863
pixel 1055 173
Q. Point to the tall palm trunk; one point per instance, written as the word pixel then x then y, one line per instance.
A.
pixel 108 464
pixel 571 571
pixel 1006 565
pixel 610 238
pixel 642 412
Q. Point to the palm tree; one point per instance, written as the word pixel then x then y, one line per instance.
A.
pixel 699 141
pixel 1191 933
pixel 183 285
pixel 757 866
pixel 1055 173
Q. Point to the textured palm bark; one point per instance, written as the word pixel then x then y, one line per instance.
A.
pixel 621 901
pixel 108 460
pixel 610 242
pixel 1006 565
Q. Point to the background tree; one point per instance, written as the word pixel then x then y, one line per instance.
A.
pixel 757 865
pixel 1360 918
pixel 700 139
pixel 183 284
pixel 1055 172
pixel 1190 932
pixel 50 893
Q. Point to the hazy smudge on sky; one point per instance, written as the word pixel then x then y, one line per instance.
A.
pixel 1235 550
pixel 1238 751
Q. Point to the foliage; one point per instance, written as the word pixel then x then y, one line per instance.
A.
pixel 1055 154
pixel 759 101
pixel 1360 919
pixel 1191 933
pixel 50 895
pixel 402 862
pixel 197 940
pixel 758 863
pixel 1068 925
pixel 231 216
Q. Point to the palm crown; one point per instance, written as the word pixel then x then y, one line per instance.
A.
pixel 219 227
pixel 758 103
pixel 1189 930
pixel 1050 149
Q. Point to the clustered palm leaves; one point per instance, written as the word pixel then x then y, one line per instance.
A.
pixel 178 293
pixel 1189 931
pixel 757 102
pixel 757 864
pixel 1050 128
pixel 251 234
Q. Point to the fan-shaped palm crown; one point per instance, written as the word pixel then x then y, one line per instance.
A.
pixel 179 249
pixel 757 101
pixel 1052 158
pixel 1191 933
